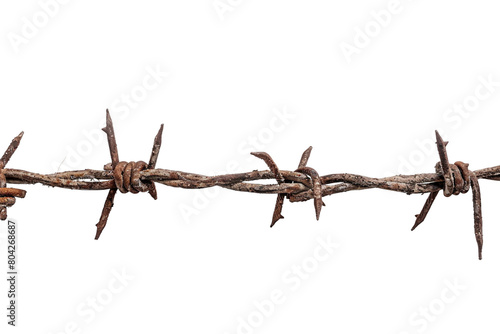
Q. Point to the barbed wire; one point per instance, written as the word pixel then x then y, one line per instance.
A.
pixel 302 184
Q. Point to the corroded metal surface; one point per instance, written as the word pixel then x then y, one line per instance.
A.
pixel 300 185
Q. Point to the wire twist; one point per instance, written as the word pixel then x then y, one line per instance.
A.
pixel 126 175
pixel 8 195
pixel 457 179
pixel 300 185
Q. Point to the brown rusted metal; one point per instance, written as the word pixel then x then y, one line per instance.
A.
pixel 12 192
pixel 425 210
pixel 152 162
pixel 457 179
pixel 271 164
pixel 318 201
pixel 305 157
pixel 110 132
pixel 7 201
pixel 300 185
pixel 8 195
pixel 106 210
pixel 465 173
pixel 445 165
pixel 127 175
pixel 280 199
pixel 478 216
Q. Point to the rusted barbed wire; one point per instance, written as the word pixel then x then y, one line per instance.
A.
pixel 302 184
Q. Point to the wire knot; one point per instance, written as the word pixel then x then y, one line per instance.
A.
pixel 8 195
pixel 457 178
pixel 303 169
pixel 8 198
pixel 127 177
pixel 316 187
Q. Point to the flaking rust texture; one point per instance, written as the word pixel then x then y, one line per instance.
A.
pixel 302 184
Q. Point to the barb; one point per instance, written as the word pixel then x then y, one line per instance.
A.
pixel 278 207
pixel 8 195
pixel 302 184
pixel 152 162
pixel 318 201
pixel 127 175
pixel 457 179
pixel 305 157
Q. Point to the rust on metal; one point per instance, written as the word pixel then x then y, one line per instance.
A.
pixel 457 179
pixel 425 210
pixel 318 200
pixel 280 199
pixel 302 184
pixel 8 195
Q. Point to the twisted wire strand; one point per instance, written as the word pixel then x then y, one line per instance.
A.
pixel 302 184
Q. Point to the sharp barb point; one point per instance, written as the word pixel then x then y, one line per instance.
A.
pixel 278 207
pixel 301 185
pixel 110 132
pixel 106 210
pixel 305 157
pixel 425 210
pixel 155 151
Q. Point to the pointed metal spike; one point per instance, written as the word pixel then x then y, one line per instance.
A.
pixel 478 216
pixel 14 144
pixel 11 149
pixel 106 210
pixel 445 165
pixel 278 207
pixel 271 164
pixel 317 207
pixel 425 210
pixel 305 157
pixel 318 201
pixel 152 190
pixel 156 149
pixel 113 149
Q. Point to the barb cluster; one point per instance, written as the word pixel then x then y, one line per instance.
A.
pixel 8 195
pixel 302 184
pixel 127 175
pixel 457 179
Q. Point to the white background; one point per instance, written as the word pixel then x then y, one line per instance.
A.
pixel 199 261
